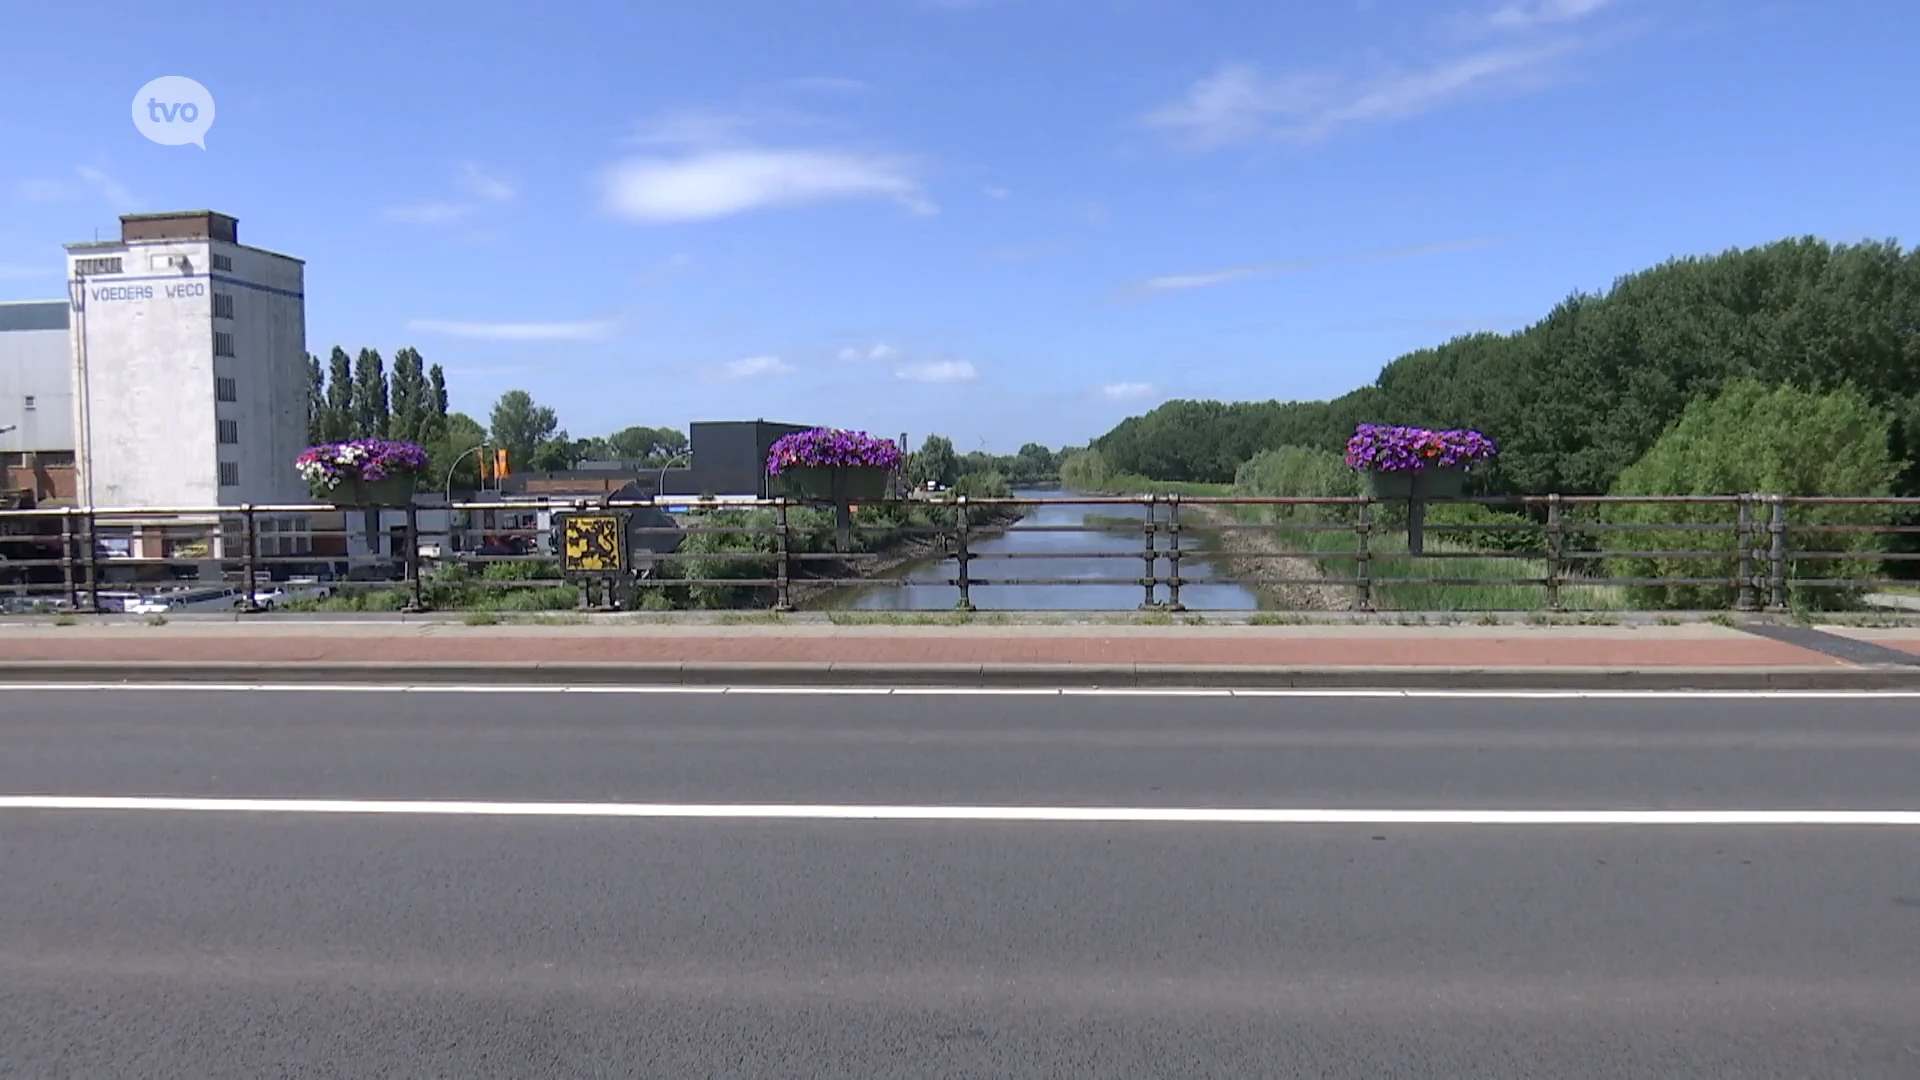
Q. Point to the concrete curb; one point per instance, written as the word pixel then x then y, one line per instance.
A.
pixel 961 676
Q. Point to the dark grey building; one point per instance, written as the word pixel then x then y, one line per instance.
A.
pixel 726 458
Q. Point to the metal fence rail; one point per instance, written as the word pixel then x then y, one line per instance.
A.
pixel 1753 550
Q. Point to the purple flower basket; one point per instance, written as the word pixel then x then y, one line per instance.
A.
pixel 840 467
pixel 1416 464
pixel 364 473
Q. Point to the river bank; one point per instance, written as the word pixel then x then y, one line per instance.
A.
pixel 827 577
pixel 1256 559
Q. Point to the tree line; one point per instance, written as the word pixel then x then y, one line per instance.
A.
pixel 1578 397
pixel 978 472
pixel 358 397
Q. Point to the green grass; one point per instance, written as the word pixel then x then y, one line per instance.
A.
pixel 461 595
pixel 64 620
pixel 1389 559
pixel 481 618
pixel 912 618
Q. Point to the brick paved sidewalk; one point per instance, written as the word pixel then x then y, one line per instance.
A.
pixel 1692 646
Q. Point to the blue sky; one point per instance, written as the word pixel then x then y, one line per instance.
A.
pixel 1002 220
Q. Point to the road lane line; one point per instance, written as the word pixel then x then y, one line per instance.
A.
pixel 964 691
pixel 1143 815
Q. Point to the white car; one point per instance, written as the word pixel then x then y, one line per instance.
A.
pixel 146 606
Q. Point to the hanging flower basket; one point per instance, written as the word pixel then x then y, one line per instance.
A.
pixel 364 473
pixel 833 466
pixel 1416 464
pixel 854 484
pixel 1435 483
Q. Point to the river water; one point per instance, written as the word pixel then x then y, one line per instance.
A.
pixel 926 585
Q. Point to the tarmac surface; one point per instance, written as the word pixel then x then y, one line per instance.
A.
pixel 703 934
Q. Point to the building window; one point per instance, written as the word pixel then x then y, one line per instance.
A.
pixel 222 343
pixel 171 262
pixel 27 403
pixel 229 474
pixel 229 432
pixel 284 537
pixel 223 262
pixel 225 389
pixel 86 267
pixel 222 305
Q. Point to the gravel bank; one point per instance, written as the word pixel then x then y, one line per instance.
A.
pixel 1259 562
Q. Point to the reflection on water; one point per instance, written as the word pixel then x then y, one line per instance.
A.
pixel 1089 554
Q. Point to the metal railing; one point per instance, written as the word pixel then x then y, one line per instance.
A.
pixel 1744 552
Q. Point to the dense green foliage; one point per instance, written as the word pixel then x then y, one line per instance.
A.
pixel 1579 396
pixel 936 462
pixel 1754 439
pixel 983 485
pixel 1299 472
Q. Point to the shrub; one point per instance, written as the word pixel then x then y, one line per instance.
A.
pixel 1299 472
pixel 1516 533
pixel 1085 471
pixel 1751 438
pixel 983 485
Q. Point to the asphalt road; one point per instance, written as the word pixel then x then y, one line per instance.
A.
pixel 140 943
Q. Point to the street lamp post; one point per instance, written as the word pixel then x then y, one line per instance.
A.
pixel 660 488
pixel 448 487
pixel 451 469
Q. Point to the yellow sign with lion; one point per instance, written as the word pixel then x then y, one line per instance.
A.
pixel 593 544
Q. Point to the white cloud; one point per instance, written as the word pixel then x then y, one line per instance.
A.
pixel 478 183
pixel 1207 278
pixel 938 371
pixel 1126 391
pixel 516 331
pixel 428 213
pixel 1177 282
pixel 753 367
pixel 720 183
pixel 110 189
pixel 1240 103
pixel 881 351
pixel 485 185
pixel 993 192
pixel 1530 13
pixel 830 83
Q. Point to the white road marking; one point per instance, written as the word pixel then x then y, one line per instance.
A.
pixel 966 691
pixel 1145 815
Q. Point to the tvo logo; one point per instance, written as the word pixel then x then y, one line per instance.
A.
pixel 174 110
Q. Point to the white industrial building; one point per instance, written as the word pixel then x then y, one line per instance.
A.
pixel 173 376
pixel 36 394
pixel 188 360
